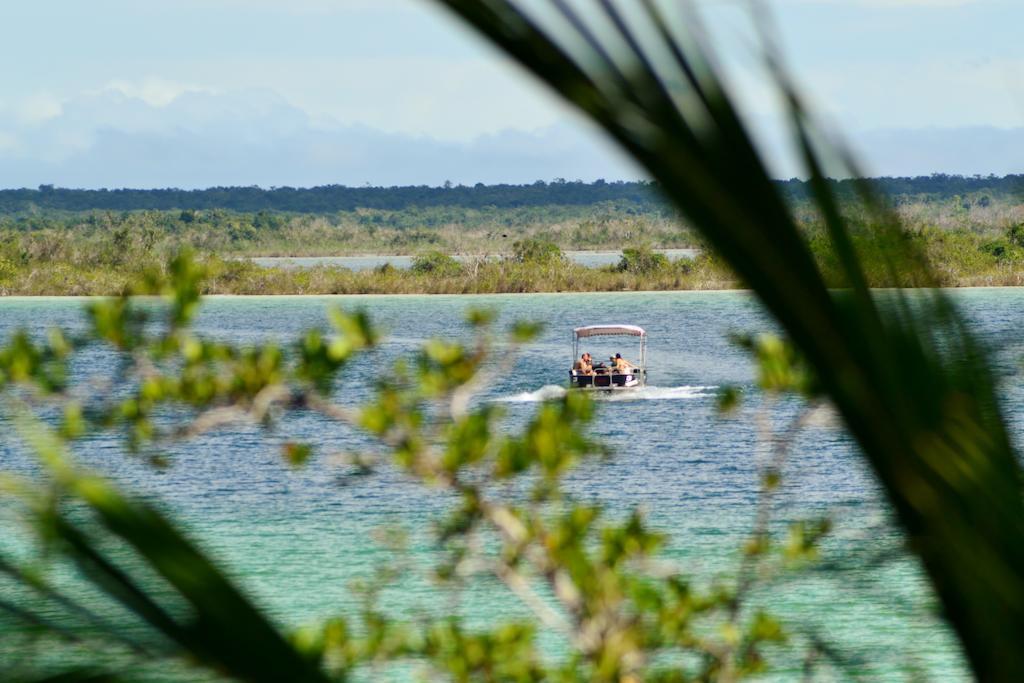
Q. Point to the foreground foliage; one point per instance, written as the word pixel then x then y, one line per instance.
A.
pixel 908 379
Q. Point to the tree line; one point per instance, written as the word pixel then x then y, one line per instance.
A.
pixel 644 195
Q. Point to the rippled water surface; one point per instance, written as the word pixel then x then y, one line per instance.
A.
pixel 296 539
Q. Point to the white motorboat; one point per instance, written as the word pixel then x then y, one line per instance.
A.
pixel 609 376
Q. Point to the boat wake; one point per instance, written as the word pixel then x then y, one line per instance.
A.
pixel 649 393
pixel 545 393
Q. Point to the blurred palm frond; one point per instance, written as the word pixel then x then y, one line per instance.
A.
pixel 187 606
pixel 913 386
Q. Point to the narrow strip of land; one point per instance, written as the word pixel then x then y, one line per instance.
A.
pixel 548 237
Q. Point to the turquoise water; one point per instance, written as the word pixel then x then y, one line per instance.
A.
pixel 296 538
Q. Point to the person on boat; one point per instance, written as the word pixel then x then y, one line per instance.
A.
pixel 621 364
pixel 584 365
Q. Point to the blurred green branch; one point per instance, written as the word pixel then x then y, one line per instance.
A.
pixel 596 582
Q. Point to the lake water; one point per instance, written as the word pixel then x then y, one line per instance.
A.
pixel 296 538
pixel 591 259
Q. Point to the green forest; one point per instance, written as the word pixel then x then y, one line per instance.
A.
pixel 643 196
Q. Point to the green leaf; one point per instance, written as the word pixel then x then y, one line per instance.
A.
pixel 297 454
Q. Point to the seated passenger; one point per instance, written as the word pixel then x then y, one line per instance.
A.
pixel 583 365
pixel 621 364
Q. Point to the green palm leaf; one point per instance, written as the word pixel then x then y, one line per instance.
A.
pixel 912 385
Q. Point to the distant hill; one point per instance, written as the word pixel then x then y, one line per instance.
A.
pixel 332 198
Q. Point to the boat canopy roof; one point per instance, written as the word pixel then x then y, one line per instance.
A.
pixel 609 331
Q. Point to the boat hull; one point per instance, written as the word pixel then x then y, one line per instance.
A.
pixel 605 382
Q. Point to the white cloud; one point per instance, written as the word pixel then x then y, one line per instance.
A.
pixel 450 97
pixel 157 92
pixel 252 136
pixel 291 98
pixel 38 107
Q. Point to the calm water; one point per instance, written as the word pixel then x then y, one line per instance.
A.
pixel 591 259
pixel 296 539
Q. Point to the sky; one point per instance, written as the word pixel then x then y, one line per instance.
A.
pixel 195 93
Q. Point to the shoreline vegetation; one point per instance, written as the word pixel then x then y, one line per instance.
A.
pixel 970 229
